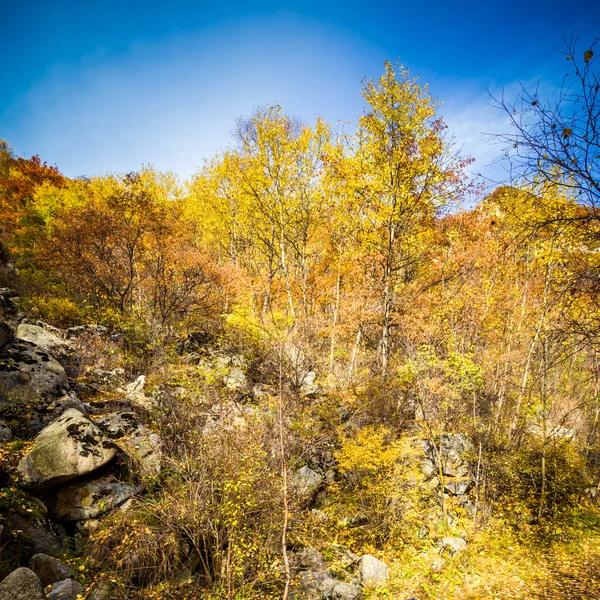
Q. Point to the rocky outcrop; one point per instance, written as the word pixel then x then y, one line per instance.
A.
pixel 45 337
pixel 451 452
pixel 22 584
pixel 68 448
pixel 49 569
pixel 139 443
pixel 91 497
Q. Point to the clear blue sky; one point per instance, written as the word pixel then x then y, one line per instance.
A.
pixel 101 86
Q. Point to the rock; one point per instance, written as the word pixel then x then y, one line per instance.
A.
pixel 373 571
pixel 5 432
pixel 458 487
pixel 134 392
pixel 7 335
pixel 452 449
pixel 69 447
pixel 7 301
pixel 105 590
pixel 453 544
pixel 236 379
pixel 306 481
pixel 438 564
pixel 44 338
pixel 49 569
pixel 133 438
pixel 343 591
pixel 35 535
pixel 22 584
pixel 91 497
pixel 313 585
pixel 27 370
pixel 65 590
pixel 90 329
pixel 308 387
pixel 61 405
pixel 229 416
pixel 308 559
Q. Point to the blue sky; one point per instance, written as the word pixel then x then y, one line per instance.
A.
pixel 98 87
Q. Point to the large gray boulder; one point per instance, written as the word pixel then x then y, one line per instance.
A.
pixel 69 447
pixel 49 569
pixel 137 441
pixel 91 497
pixel 22 584
pixel 28 371
pixel 65 590
pixel 373 572
pixel 45 338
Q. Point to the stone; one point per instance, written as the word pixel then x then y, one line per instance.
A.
pixel 453 544
pixel 90 329
pixel 134 392
pixel 49 341
pixel 91 497
pixel 65 590
pixel 343 591
pixel 236 379
pixel 308 387
pixel 7 335
pixel 22 584
pixel 134 439
pixel 7 301
pixel 69 447
pixel 35 534
pixel 306 481
pixel 373 572
pixel 308 559
pixel 27 370
pixel 49 569
pixel 452 449
pixel 313 585
pixel 5 432
pixel 438 564
pixel 105 590
pixel 458 487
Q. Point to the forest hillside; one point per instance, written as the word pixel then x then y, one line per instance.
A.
pixel 329 365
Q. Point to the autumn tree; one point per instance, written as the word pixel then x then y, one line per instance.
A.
pixel 19 179
pixel 262 201
pixel 401 172
pixel 122 243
